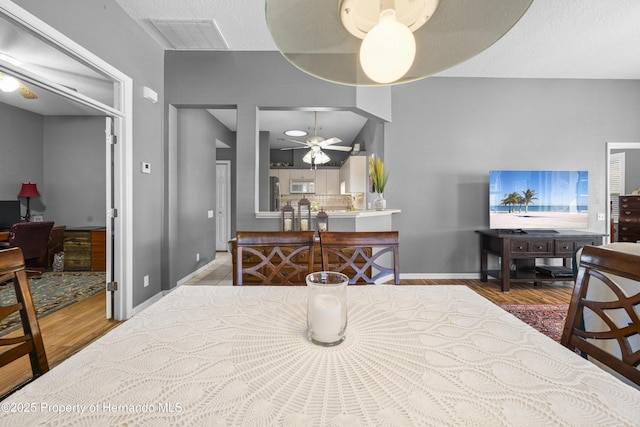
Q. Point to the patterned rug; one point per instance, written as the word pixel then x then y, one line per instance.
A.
pixel 546 318
pixel 51 292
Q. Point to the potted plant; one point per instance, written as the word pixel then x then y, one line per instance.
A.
pixel 379 180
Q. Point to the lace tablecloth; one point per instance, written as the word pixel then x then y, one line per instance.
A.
pixel 414 355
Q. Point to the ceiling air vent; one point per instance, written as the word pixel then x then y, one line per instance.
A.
pixel 191 34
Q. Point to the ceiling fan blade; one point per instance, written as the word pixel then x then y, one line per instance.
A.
pixel 295 148
pixel 293 140
pixel 330 141
pixel 26 92
pixel 337 148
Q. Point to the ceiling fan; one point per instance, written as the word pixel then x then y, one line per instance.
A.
pixel 317 143
pixel 11 84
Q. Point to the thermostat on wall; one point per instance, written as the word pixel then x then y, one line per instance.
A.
pixel 145 167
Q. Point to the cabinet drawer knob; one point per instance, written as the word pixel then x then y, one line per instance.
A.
pixel 520 247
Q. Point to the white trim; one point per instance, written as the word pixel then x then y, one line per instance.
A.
pixel 439 276
pixel 123 130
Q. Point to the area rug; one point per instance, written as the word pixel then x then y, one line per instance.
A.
pixel 546 318
pixel 51 292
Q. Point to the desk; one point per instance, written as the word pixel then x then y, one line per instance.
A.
pixel 4 236
pixel 524 249
pixel 85 248
pixel 413 355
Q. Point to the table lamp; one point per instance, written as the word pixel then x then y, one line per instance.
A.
pixel 28 190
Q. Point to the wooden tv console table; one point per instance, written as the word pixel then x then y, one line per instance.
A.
pixel 524 248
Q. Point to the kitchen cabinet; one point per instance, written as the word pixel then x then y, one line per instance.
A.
pixel 285 176
pixel 303 174
pixel 353 175
pixel 333 181
pixel 321 181
pixel 327 181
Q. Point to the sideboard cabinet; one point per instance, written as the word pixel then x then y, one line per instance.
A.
pixel 524 248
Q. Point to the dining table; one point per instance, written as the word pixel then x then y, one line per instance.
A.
pixel 240 356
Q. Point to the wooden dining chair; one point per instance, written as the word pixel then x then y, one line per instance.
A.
pixel 365 257
pixel 30 343
pixel 274 257
pixel 603 319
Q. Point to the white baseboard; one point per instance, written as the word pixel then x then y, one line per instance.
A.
pixel 188 277
pixel 138 308
pixel 431 276
pixel 435 276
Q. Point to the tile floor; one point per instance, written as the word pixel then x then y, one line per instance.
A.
pixel 219 274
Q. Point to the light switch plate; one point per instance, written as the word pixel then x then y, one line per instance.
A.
pixel 209 214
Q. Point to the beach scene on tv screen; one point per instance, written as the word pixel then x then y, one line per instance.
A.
pixel 538 199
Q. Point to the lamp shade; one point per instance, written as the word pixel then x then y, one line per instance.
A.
pixel 29 190
pixel 325 41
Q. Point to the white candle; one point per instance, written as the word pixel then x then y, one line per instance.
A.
pixel 304 224
pixel 287 224
pixel 326 318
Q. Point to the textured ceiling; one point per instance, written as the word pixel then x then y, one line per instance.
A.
pixel 555 39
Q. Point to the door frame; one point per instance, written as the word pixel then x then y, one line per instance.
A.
pixel 609 147
pixel 227 164
pixel 121 262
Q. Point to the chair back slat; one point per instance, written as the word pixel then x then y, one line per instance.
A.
pixel 12 268
pixel 365 257
pixel 274 258
pixel 603 318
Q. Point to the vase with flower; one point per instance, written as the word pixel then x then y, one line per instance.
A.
pixel 379 180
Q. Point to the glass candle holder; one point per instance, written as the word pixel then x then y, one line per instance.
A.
pixel 327 307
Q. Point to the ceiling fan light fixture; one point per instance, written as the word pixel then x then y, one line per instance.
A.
pixel 328 43
pixel 388 50
pixel 8 83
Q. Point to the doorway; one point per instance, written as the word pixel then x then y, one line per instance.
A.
pixel 619 164
pixel 115 102
pixel 223 205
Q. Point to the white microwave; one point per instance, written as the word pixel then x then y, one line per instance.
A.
pixel 297 187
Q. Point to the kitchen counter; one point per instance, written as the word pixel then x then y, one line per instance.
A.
pixel 337 214
pixel 343 220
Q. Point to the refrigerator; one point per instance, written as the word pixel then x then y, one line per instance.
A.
pixel 274 193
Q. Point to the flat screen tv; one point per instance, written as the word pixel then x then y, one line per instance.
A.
pixel 9 213
pixel 538 200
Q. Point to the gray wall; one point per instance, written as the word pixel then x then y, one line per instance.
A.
pixel 103 28
pixel 447 133
pixel 21 155
pixel 445 136
pixel 250 80
pixel 74 170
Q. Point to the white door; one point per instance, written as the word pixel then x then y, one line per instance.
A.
pixel 223 204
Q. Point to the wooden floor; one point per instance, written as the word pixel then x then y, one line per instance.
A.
pixel 520 293
pixel 62 337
